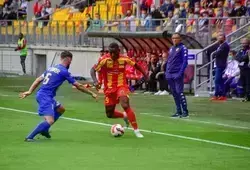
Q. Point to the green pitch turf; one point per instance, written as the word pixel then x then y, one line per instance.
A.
pixel 216 136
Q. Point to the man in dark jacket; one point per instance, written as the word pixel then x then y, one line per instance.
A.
pixel 243 58
pixel 221 56
pixel 176 64
pixel 209 52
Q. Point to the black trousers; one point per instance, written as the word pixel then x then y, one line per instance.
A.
pixel 245 80
pixel 152 83
pixel 22 60
pixel 163 82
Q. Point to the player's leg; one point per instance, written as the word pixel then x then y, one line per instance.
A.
pixel 23 58
pixel 122 94
pixel 124 100
pixel 58 111
pixel 41 127
pixel 179 83
pixel 247 85
pixel 172 85
pixel 110 104
pixel 46 110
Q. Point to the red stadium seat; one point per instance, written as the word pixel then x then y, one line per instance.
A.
pixel 189 76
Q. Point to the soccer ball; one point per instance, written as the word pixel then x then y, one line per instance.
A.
pixel 117 130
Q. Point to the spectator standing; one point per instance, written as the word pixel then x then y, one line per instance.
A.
pixel 238 10
pixel 146 21
pixel 183 11
pixel 37 8
pixel 209 52
pixel 166 7
pixel 97 23
pixel 248 7
pixel 89 21
pixel 22 47
pixel 221 55
pixel 243 58
pixel 176 64
pixel 130 21
pixel 156 16
pixel 22 11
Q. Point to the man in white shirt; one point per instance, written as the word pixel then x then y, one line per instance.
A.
pixel 130 21
pixel 232 72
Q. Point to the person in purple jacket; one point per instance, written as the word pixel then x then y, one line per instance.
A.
pixel 176 64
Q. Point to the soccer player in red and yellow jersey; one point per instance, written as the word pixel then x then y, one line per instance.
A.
pixel 116 90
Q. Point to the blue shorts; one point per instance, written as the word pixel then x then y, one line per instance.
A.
pixel 46 105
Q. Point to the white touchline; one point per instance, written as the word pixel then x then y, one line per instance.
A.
pixel 143 130
pixel 199 121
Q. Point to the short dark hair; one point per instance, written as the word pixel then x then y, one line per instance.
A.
pixel 233 52
pixel 66 54
pixel 113 47
pixel 176 33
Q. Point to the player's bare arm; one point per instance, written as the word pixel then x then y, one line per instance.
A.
pixel 83 89
pixel 34 85
pixel 142 71
pixel 93 75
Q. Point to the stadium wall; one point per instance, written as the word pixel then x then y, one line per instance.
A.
pixel 41 57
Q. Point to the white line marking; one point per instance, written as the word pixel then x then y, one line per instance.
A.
pixel 199 121
pixel 143 130
pixel 13 86
pixel 4 95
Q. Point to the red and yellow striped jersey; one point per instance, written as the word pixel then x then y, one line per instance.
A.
pixel 114 72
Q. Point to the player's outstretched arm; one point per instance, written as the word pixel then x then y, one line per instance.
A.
pixel 83 89
pixel 34 85
pixel 93 75
pixel 142 71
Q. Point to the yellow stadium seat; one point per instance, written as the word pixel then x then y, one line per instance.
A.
pixel 1 2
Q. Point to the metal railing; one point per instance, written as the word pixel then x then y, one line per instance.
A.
pixel 210 64
pixel 73 32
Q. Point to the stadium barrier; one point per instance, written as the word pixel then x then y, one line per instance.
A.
pixel 70 32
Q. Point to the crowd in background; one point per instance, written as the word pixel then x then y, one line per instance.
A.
pixel 12 10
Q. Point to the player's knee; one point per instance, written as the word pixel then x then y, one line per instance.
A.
pixel 109 114
pixel 125 104
pixel 50 119
pixel 61 110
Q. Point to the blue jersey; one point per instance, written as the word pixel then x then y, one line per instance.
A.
pixel 177 60
pixel 53 78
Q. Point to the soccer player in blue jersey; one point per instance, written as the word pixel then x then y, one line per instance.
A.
pixel 49 108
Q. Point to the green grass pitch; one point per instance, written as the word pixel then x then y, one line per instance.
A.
pixel 216 136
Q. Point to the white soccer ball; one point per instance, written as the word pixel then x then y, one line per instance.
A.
pixel 117 130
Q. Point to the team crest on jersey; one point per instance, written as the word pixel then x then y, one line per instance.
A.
pixel 109 63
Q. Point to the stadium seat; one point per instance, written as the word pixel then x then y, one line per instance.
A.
pixel 189 76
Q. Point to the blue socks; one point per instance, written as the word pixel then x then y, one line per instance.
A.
pixel 40 128
pixel 56 117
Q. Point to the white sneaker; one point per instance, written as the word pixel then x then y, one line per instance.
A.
pixel 138 133
pixel 164 93
pixel 158 93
